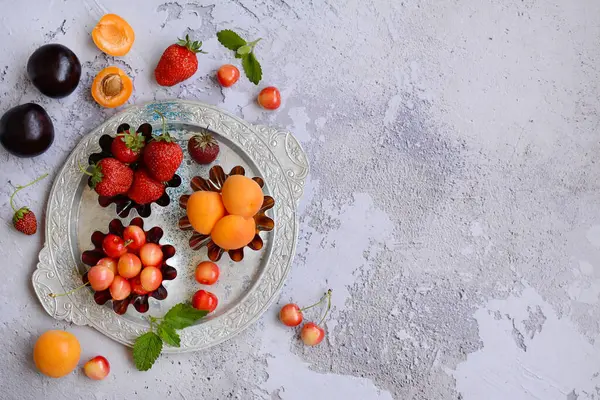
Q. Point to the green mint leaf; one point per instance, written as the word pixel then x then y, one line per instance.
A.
pixel 146 350
pixel 252 68
pixel 168 335
pixel 245 49
pixel 230 39
pixel 183 315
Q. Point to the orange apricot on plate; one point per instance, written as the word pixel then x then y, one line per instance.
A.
pixel 242 196
pixel 111 87
pixel 233 232
pixel 56 353
pixel 204 209
pixel 113 35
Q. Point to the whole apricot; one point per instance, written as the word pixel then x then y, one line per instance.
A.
pixel 233 232
pixel 56 353
pixel 204 209
pixel 242 196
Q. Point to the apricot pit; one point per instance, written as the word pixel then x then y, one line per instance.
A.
pixel 111 87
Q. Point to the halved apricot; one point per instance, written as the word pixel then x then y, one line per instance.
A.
pixel 111 87
pixel 113 35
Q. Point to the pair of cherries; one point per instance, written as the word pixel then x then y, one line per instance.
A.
pixel 311 334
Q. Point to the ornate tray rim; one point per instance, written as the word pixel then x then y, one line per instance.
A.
pixel 284 153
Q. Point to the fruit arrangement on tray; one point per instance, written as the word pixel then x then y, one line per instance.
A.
pixel 133 262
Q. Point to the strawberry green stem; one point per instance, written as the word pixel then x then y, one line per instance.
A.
pixel 164 134
pixel 53 295
pixel 164 121
pixel 84 170
pixel 316 304
pixel 328 307
pixel 18 188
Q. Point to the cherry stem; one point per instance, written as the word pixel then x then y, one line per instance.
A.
pixel 54 295
pixel 19 187
pixel 128 242
pixel 316 304
pixel 84 169
pixel 328 307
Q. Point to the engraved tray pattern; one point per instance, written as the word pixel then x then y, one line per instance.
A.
pixel 283 166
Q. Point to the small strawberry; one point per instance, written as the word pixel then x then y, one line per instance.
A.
pixel 110 177
pixel 145 189
pixel 178 62
pixel 203 148
pixel 127 146
pixel 24 219
pixel 162 156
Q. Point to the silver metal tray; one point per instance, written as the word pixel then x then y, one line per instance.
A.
pixel 245 289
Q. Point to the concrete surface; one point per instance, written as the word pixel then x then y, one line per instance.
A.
pixel 453 204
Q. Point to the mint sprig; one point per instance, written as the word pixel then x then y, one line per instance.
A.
pixel 168 334
pixel 182 315
pixel 148 346
pixel 243 50
pixel 146 350
pixel 230 39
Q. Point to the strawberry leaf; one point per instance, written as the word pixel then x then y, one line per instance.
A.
pixel 133 141
pixel 20 214
pixel 252 68
pixel 193 46
pixel 230 39
pixel 96 174
pixel 146 350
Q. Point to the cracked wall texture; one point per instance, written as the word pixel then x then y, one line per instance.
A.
pixel 452 206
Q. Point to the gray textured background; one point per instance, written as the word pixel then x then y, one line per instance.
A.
pixel 452 204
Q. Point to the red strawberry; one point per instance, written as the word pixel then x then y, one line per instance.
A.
pixel 24 219
pixel 110 177
pixel 145 189
pixel 203 148
pixel 162 157
pixel 178 63
pixel 127 147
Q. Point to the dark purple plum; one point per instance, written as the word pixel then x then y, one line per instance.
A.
pixel 26 130
pixel 55 70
